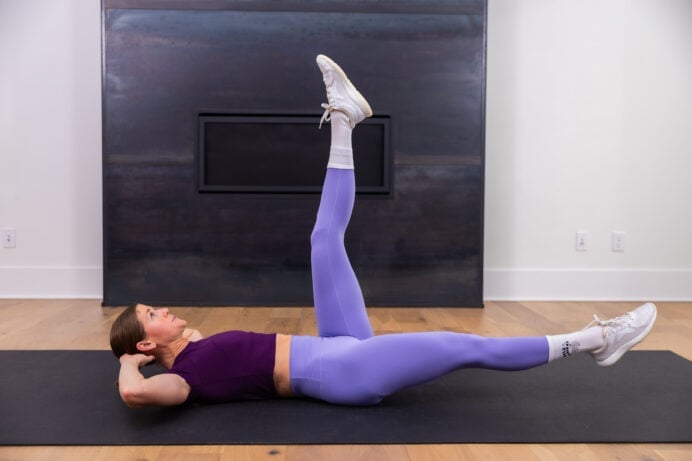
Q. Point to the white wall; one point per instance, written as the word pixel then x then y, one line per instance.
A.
pixel 50 147
pixel 589 127
pixel 589 112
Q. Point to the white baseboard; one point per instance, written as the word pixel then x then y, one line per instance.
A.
pixel 44 282
pixel 588 284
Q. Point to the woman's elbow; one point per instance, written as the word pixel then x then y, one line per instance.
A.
pixel 130 397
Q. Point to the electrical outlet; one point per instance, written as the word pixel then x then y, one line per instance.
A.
pixel 617 241
pixel 581 242
pixel 9 238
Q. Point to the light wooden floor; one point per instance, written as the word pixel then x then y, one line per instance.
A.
pixel 83 324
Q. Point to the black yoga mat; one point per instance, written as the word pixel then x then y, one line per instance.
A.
pixel 69 398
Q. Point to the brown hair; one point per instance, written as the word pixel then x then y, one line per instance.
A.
pixel 126 332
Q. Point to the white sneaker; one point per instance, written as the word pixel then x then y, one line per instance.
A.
pixel 341 94
pixel 624 332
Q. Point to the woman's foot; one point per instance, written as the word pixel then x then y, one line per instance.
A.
pixel 624 332
pixel 341 94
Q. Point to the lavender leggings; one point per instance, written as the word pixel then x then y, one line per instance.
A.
pixel 347 364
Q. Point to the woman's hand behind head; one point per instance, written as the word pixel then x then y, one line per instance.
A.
pixel 139 360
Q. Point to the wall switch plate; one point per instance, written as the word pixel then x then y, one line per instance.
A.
pixel 617 241
pixel 9 238
pixel 581 242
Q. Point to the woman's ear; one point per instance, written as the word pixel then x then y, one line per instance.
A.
pixel 145 346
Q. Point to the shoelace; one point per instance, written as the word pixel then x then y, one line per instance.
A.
pixel 328 108
pixel 328 80
pixel 623 320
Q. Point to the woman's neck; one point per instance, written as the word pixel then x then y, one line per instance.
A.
pixel 166 355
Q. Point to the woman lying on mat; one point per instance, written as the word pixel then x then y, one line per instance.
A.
pixel 346 363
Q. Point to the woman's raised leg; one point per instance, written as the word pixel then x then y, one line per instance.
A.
pixel 339 303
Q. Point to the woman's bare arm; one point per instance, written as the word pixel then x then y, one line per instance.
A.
pixel 136 390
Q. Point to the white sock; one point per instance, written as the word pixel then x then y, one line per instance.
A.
pixel 588 340
pixel 341 150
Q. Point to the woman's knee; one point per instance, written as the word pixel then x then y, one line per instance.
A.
pixel 474 350
pixel 322 234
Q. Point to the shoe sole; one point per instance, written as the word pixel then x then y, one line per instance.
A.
pixel 351 90
pixel 615 356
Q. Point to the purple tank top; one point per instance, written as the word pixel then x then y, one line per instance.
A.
pixel 235 365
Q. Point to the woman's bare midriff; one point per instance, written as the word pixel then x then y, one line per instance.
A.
pixel 282 373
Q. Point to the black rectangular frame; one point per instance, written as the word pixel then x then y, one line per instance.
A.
pixel 383 189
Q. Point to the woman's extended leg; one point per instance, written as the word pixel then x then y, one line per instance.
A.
pixel 353 372
pixel 339 303
pixel 364 372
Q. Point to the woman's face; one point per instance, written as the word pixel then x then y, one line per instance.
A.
pixel 160 326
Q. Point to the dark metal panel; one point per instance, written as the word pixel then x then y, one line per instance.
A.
pixel 167 243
